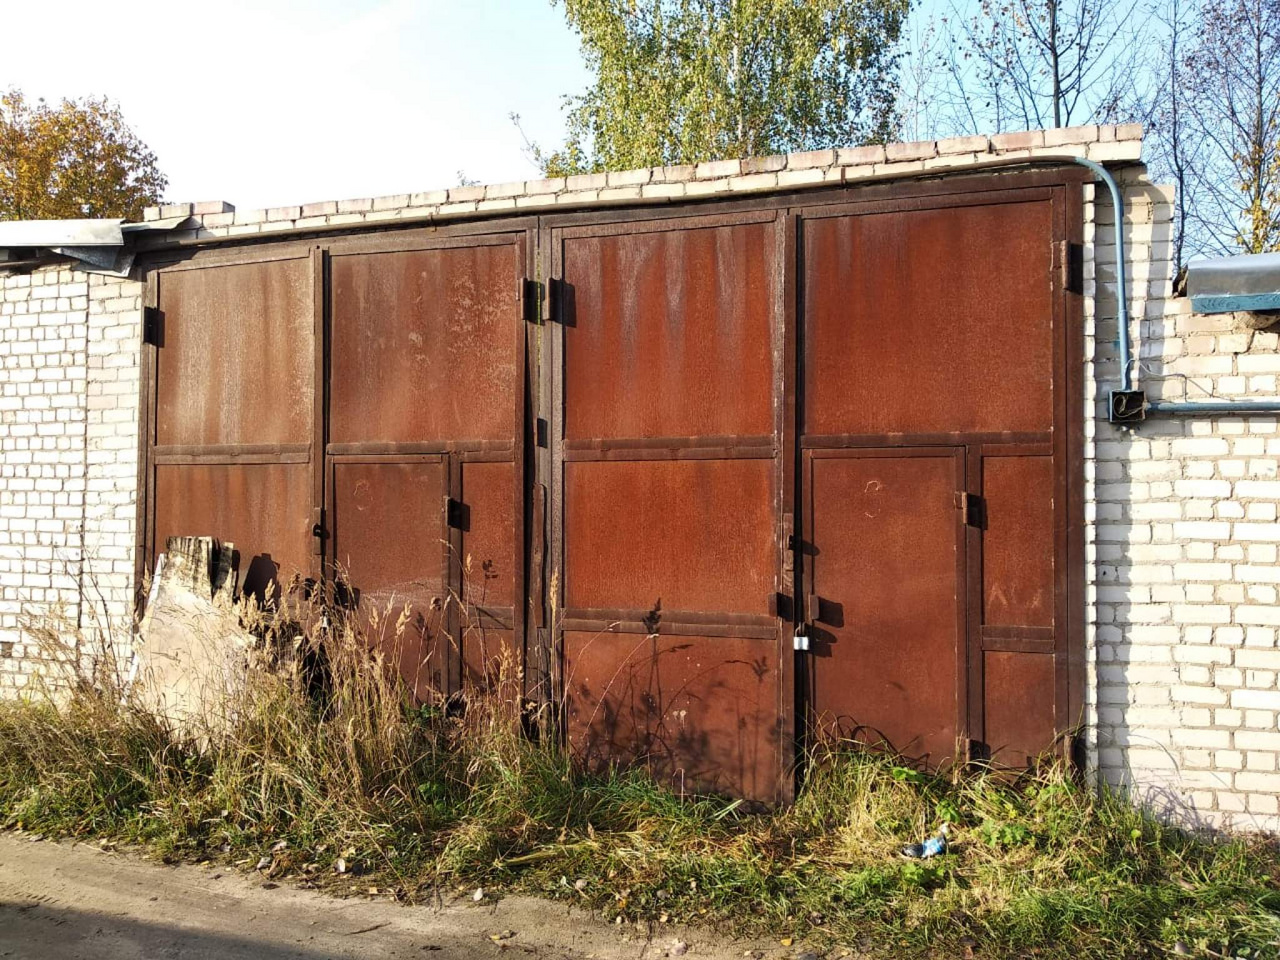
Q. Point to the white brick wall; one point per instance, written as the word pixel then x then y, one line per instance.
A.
pixel 1182 542
pixel 69 350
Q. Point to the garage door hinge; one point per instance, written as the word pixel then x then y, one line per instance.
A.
pixel 1070 258
pixel 457 514
pixel 974 507
pixel 153 326
pixel 555 300
pixel 531 300
pixel 317 529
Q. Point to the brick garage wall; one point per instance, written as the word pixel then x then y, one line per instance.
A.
pixel 69 366
pixel 1182 541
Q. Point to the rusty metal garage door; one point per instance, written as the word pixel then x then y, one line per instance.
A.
pixel 855 415
pixel 232 422
pixel 402 360
pixel 667 456
pixel 425 450
pixel 934 434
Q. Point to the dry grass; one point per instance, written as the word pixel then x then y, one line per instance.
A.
pixel 334 777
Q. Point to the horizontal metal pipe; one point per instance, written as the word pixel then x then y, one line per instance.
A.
pixel 1242 407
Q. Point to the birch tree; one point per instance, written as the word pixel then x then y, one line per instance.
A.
pixel 682 81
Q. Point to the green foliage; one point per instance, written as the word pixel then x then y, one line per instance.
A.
pixel 366 790
pixel 76 159
pixel 683 81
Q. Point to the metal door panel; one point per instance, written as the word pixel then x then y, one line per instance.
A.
pixel 422 345
pixel 701 713
pixel 885 580
pixel 389 552
pixel 490 660
pixel 930 321
pixel 427 360
pixel 236 365
pixel 693 535
pixel 488 536
pixel 667 425
pixel 264 509
pixel 1021 714
pixel 1017 541
pixel 672 333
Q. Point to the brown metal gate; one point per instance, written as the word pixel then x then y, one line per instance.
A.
pixel 849 413
pixel 222 457
pixel 936 413
pixel 355 409
pixel 667 467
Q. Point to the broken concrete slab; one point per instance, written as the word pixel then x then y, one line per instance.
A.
pixel 192 651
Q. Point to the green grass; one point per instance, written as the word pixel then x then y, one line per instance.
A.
pixel 412 802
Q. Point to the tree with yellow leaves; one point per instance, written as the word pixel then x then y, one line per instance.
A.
pixel 76 159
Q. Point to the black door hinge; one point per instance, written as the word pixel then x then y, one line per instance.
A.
pixel 531 300
pixel 555 300
pixel 1071 265
pixel 153 326
pixel 457 514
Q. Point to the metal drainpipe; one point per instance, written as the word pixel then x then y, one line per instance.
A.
pixel 1122 294
pixel 1126 379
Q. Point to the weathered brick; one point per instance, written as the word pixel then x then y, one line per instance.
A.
pixel 718 169
pixel 916 150
pixel 764 164
pixel 1002 142
pixel 860 156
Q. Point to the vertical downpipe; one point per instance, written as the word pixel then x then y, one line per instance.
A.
pixel 1122 313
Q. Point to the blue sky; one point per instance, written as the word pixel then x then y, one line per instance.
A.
pixel 276 102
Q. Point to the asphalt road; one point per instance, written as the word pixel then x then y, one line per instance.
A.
pixel 63 901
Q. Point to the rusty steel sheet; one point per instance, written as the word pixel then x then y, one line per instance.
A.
pixel 488 536
pixel 237 364
pixel 884 574
pixel 387 527
pixel 422 345
pixel 701 713
pixel 929 321
pixel 1017 544
pixel 1018 689
pixel 490 660
pixel 692 535
pixel 264 509
pixel 670 333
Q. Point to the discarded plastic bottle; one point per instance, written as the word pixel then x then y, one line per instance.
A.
pixel 930 848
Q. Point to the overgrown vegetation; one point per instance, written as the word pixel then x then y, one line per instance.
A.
pixel 346 785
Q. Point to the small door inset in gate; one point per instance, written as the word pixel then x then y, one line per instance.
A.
pixel 886 573
pixel 387 526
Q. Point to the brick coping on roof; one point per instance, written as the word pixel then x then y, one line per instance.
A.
pixel 1111 143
